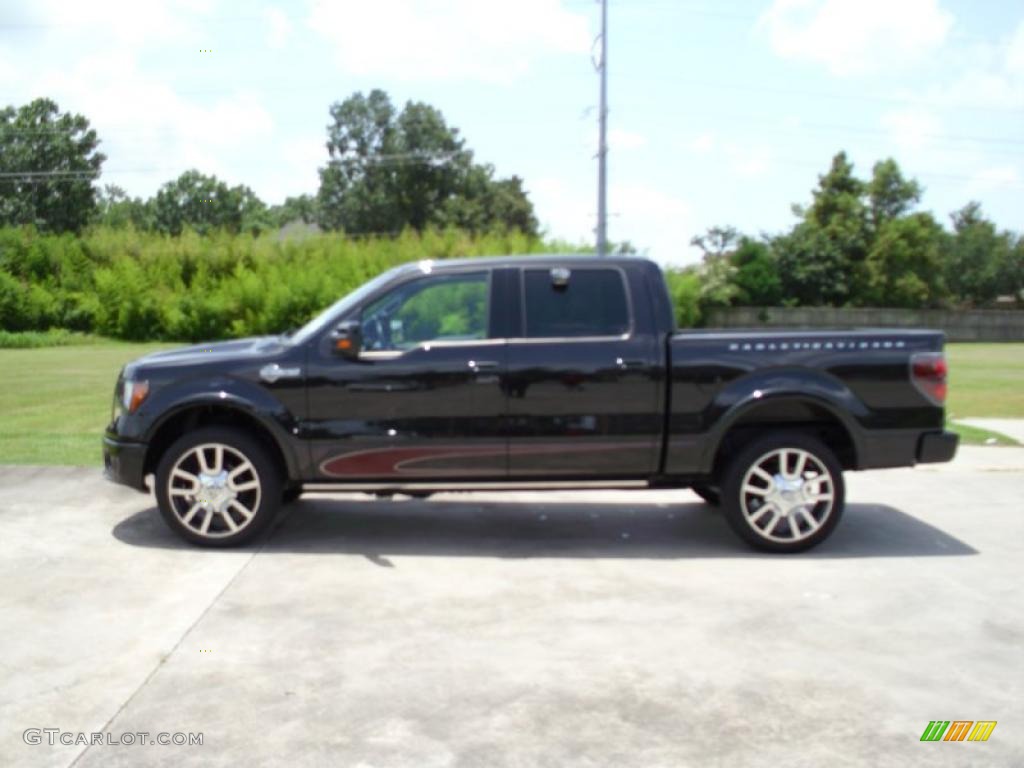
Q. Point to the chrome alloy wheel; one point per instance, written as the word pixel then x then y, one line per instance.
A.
pixel 214 490
pixel 787 495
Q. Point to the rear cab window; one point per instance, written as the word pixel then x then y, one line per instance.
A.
pixel 575 303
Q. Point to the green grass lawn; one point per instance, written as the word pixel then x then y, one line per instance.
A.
pixel 985 380
pixel 975 436
pixel 55 401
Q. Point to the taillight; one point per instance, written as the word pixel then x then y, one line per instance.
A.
pixel 928 372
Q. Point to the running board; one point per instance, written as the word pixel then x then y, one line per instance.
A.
pixel 505 485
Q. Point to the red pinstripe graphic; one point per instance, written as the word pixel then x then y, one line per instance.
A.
pixel 385 462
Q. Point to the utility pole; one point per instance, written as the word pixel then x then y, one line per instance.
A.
pixel 602 146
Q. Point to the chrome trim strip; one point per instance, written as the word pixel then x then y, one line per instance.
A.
pixel 426 346
pixel 501 485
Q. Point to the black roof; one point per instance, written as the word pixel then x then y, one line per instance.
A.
pixel 540 259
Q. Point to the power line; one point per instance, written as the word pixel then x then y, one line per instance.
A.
pixel 7 174
pixel 805 94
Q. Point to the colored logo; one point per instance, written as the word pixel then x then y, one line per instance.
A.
pixel 958 730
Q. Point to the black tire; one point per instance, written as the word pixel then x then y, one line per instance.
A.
pixel 795 532
pixel 291 494
pixel 710 494
pixel 183 510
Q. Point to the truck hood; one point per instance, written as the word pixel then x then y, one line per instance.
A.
pixel 239 350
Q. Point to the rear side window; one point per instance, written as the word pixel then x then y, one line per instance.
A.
pixel 592 302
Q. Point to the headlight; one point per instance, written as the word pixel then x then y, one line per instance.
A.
pixel 133 394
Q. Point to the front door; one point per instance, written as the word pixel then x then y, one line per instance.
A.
pixel 424 401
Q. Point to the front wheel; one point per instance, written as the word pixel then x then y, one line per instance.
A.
pixel 783 493
pixel 217 487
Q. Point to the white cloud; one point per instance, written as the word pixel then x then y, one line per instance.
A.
pixel 856 36
pixel 992 179
pixel 912 130
pixel 564 211
pixel 703 144
pixel 149 132
pixel 749 160
pixel 620 139
pixel 658 223
pixel 1015 52
pixel 279 28
pixel 447 39
pixel 130 23
pixel 746 159
pixel 653 220
pixel 295 172
pixel 992 78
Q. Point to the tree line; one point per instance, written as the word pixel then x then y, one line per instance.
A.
pixel 127 284
pixel 858 243
pixel 386 170
pixel 76 256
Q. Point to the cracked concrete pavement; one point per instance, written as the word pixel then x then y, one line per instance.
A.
pixel 517 629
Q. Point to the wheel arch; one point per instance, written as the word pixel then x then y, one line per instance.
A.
pixel 798 412
pixel 202 413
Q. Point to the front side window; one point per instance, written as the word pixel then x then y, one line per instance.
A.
pixel 591 302
pixel 437 308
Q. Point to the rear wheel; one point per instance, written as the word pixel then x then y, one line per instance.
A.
pixel 217 487
pixel 784 493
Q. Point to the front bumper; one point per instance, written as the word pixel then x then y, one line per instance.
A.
pixel 123 462
pixel 934 447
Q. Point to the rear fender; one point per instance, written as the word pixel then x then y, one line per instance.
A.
pixel 770 393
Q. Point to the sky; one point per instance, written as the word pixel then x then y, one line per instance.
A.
pixel 719 113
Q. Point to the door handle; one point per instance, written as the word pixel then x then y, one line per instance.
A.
pixel 629 364
pixel 483 365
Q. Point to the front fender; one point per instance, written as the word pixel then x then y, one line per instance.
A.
pixel 229 393
pixel 772 390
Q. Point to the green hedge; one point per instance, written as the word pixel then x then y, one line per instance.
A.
pixel 144 286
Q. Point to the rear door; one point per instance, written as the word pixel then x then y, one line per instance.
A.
pixel 583 376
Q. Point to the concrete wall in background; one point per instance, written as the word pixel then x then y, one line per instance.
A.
pixel 973 325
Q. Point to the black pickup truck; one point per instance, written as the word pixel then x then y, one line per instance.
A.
pixel 526 373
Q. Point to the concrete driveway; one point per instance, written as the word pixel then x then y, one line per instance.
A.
pixel 575 629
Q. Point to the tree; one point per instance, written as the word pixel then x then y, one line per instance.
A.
pixel 684 286
pixel 890 195
pixel 717 282
pixel 115 209
pixel 905 263
pixel 757 274
pixel 301 208
pixel 716 241
pixel 48 163
pixel 979 259
pixel 388 171
pixel 1011 274
pixel 254 214
pixel 205 203
pixel 813 268
pixel 485 204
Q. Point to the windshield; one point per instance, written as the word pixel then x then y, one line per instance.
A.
pixel 318 323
